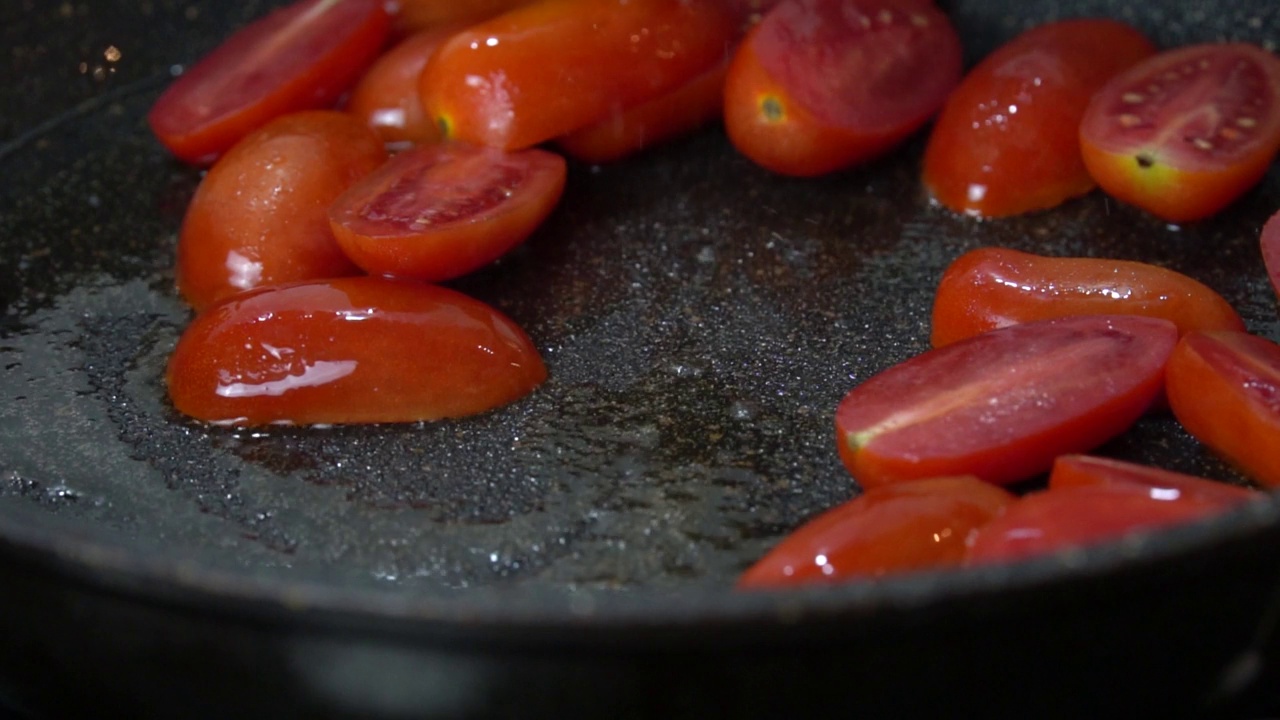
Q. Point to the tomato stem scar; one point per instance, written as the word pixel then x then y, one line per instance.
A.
pixel 771 109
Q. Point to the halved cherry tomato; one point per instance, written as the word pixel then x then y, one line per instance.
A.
pixel 440 211
pixel 1224 387
pixel 547 69
pixel 1007 140
pixel 1270 242
pixel 299 58
pixel 990 288
pixel 411 16
pixel 907 526
pixel 1081 470
pixel 1186 132
pixel 351 350
pixel 260 216
pixel 387 98
pixel 1004 404
pixel 820 85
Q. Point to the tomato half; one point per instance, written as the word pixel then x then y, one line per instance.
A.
pixel 1224 387
pixel 1270 242
pixel 298 58
pixel 1081 470
pixel 1004 404
pixel 1186 132
pixel 820 85
pixel 990 288
pixel 908 526
pixel 413 16
pixel 386 97
pixel 1007 140
pixel 260 215
pixel 351 350
pixel 440 211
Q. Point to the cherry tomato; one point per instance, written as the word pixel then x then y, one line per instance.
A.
pixel 386 97
pixel 1224 387
pixel 440 211
pixel 1004 404
pixel 990 288
pixel 260 214
pixel 547 69
pixel 299 58
pixel 413 16
pixel 351 350
pixel 1081 470
pixel 1186 132
pixel 1006 141
pixel 907 526
pixel 1270 242
pixel 820 85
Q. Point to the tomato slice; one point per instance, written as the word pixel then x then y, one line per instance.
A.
pixel 260 215
pixel 908 526
pixel 440 211
pixel 1004 404
pixel 298 58
pixel 820 85
pixel 1224 387
pixel 386 97
pixel 351 350
pixel 1007 140
pixel 1083 470
pixel 412 16
pixel 990 288
pixel 1186 132
pixel 1270 242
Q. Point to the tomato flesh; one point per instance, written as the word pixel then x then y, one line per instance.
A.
pixel 1270 242
pixel 386 97
pixel 1084 470
pixel 351 350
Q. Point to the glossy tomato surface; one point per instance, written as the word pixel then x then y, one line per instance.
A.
pixel 411 16
pixel 298 58
pixel 1004 404
pixel 386 97
pixel 1006 141
pixel 1082 470
pixel 352 350
pixel 439 211
pixel 1186 132
pixel 990 288
pixel 820 85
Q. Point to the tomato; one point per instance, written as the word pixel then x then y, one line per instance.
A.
pixel 990 288
pixel 547 69
pixel 413 16
pixel 820 85
pixel 908 526
pixel 386 97
pixel 350 350
pixel 1186 132
pixel 1082 470
pixel 440 211
pixel 1006 141
pixel 260 215
pixel 1270 242
pixel 299 58
pixel 1004 404
pixel 1224 387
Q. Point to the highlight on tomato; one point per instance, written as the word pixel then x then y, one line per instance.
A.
pixel 1084 470
pixel 350 350
pixel 993 287
pixel 386 96
pixel 820 85
pixel 1007 140
pixel 1186 132
pixel 301 57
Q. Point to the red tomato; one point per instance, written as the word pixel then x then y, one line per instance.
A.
pixel 260 216
pixel 417 15
pixel 908 526
pixel 1186 132
pixel 1270 242
pixel 1224 387
pixel 1004 404
pixel 440 211
pixel 820 85
pixel 386 97
pixel 547 69
pixel 1081 470
pixel 351 350
pixel 990 288
pixel 299 58
pixel 1007 140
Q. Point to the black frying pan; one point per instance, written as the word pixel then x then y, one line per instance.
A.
pixel 572 553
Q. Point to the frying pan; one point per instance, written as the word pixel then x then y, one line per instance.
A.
pixel 571 554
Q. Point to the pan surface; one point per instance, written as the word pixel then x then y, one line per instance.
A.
pixel 700 319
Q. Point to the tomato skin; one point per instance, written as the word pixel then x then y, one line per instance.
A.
pixel 1270 242
pixel 481 202
pixel 386 97
pixel 413 16
pixel 1224 387
pixel 991 287
pixel 291 354
pixel 986 160
pixel 818 85
pixel 1185 148
pixel 260 214
pixel 552 67
pixel 301 57
pixel 1004 404
pixel 907 526
pixel 1085 470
